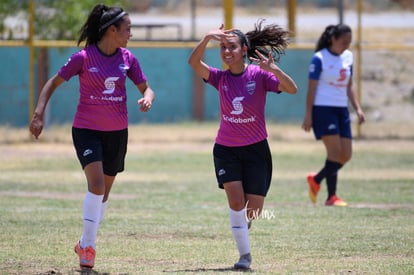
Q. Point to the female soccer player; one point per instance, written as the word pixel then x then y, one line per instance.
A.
pixel 100 126
pixel 329 89
pixel 242 158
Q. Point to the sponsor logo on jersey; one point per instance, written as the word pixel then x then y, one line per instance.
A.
pixel 238 110
pixel 237 105
pixel 239 120
pixel 110 85
pixel 342 75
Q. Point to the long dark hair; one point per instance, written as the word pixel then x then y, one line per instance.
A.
pixel 100 18
pixel 329 32
pixel 265 39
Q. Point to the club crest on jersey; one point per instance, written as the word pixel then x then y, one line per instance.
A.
pixel 251 87
pixel 124 68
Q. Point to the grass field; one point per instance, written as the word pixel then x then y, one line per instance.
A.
pixel 166 215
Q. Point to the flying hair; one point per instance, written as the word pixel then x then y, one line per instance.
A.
pixel 266 39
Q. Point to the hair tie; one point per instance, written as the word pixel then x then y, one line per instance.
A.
pixel 113 20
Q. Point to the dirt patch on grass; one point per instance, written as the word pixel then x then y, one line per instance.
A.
pixel 61 195
pixel 385 206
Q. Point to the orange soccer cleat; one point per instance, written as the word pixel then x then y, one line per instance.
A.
pixel 86 256
pixel 335 201
pixel 313 187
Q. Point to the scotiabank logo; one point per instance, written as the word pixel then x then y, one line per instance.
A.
pixel 237 105
pixel 342 75
pixel 237 110
pixel 110 85
pixel 239 120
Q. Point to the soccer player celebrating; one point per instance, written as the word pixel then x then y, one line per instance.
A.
pixel 242 158
pixel 100 126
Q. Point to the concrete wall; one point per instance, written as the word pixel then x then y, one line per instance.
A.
pixel 168 73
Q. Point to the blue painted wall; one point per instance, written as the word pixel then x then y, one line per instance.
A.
pixel 168 74
pixel 14 86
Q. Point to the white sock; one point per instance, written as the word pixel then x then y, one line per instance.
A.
pixel 103 210
pixel 91 214
pixel 239 229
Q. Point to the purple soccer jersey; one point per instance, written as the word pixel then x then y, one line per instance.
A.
pixel 242 104
pixel 102 102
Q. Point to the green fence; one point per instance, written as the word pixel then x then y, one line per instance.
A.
pixel 168 73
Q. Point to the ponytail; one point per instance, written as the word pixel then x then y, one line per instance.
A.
pixel 329 32
pixel 265 39
pixel 100 18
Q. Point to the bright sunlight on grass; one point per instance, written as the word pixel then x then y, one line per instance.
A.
pixel 166 214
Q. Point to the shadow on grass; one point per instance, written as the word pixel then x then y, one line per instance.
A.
pixel 78 271
pixel 94 272
pixel 224 269
pixel 90 272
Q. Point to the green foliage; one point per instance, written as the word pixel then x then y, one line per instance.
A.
pixel 57 20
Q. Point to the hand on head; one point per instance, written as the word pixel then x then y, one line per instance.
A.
pixel 220 34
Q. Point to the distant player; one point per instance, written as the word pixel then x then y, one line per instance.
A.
pixel 329 89
pixel 242 158
pixel 100 126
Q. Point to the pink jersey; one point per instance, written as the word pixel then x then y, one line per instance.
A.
pixel 242 104
pixel 102 103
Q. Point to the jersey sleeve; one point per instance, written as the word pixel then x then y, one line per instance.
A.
pixel 315 68
pixel 271 83
pixel 135 72
pixel 73 66
pixel 214 77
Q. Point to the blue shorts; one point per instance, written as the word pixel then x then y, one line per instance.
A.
pixel 328 120
pixel 109 147
pixel 251 164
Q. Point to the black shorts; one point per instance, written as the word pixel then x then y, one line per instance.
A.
pixel 328 120
pixel 109 147
pixel 251 164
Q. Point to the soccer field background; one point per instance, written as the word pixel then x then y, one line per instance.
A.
pixel 167 216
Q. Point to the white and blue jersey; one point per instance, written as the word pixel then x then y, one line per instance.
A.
pixel 333 73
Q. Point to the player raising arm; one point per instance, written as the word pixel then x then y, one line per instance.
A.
pixel 242 157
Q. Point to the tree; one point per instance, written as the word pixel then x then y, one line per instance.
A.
pixel 53 20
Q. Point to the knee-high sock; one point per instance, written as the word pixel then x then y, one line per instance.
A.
pixel 239 230
pixel 91 214
pixel 331 167
pixel 103 210
pixel 331 182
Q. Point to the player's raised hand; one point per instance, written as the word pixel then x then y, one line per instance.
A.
pixel 265 63
pixel 220 34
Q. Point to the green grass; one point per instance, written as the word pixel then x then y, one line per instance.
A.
pixel 166 214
